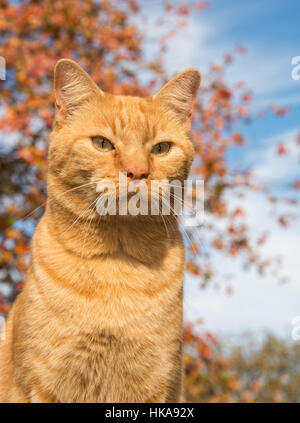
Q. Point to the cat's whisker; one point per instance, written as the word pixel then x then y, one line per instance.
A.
pixel 93 202
pixel 195 233
pixel 186 234
pixel 166 217
pixel 181 201
pixel 90 221
pixel 157 194
pixel 59 195
pixel 86 232
pixel 163 219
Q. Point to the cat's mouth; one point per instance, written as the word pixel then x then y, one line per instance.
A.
pixel 138 197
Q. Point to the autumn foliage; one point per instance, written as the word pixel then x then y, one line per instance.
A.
pixel 247 371
pixel 107 39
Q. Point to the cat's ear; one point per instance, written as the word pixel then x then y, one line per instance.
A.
pixel 180 93
pixel 73 86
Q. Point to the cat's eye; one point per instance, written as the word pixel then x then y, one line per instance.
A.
pixel 161 148
pixel 102 143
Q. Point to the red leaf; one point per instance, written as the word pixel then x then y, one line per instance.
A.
pixel 281 149
pixel 296 184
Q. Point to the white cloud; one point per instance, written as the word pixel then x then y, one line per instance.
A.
pixel 257 302
pixel 272 168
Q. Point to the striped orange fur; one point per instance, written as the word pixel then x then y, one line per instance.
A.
pixel 100 315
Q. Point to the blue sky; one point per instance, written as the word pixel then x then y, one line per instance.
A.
pixel 270 31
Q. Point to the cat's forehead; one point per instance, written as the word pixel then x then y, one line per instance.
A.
pixel 129 109
pixel 129 115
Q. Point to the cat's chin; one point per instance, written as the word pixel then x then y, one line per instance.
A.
pixel 138 219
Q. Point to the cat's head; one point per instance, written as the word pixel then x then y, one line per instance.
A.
pixel 97 135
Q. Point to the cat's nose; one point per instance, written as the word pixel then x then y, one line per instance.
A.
pixel 136 172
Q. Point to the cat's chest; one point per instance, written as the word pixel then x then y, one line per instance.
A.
pixel 112 293
pixel 97 367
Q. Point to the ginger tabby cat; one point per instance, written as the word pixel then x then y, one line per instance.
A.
pixel 100 315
